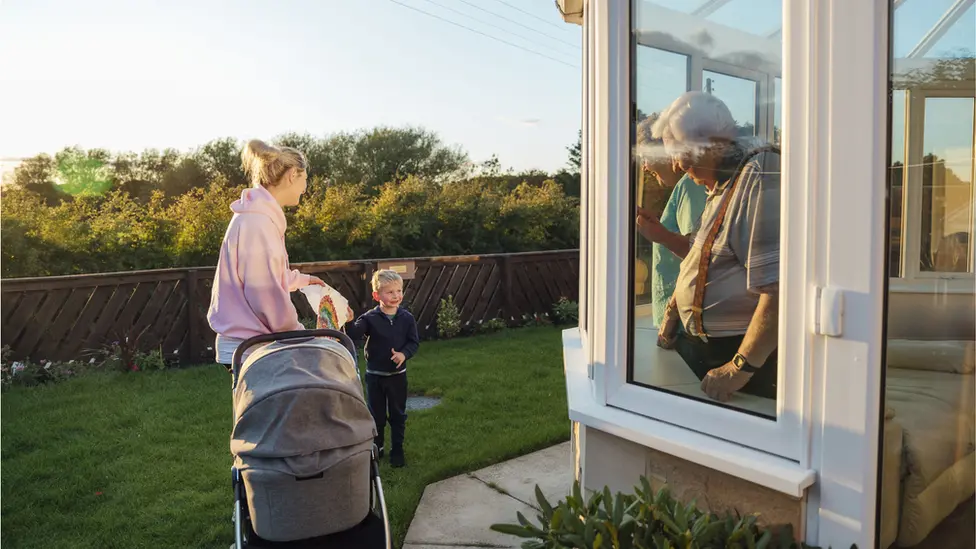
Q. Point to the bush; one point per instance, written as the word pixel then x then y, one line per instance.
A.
pixel 26 373
pixel 566 311
pixel 493 325
pixel 535 319
pixel 640 520
pixel 389 193
pixel 448 318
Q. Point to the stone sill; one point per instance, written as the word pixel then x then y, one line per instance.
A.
pixel 773 472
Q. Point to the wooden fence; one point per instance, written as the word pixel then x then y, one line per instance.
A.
pixel 66 317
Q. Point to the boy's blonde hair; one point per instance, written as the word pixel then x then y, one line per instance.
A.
pixel 384 277
pixel 265 164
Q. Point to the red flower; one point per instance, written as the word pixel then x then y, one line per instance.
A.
pixel 133 367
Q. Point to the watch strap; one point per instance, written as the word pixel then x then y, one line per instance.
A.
pixel 743 365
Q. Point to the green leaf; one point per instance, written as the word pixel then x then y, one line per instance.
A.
pixel 598 541
pixel 513 530
pixel 543 504
pixel 572 540
pixel 618 509
pixel 557 518
pixel 765 540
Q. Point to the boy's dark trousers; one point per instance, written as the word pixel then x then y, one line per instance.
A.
pixel 387 396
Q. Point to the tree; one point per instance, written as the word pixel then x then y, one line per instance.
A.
pixel 576 153
pixel 185 176
pixel 222 158
pixel 37 175
pixel 84 172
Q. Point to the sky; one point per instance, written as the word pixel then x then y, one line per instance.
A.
pixel 132 74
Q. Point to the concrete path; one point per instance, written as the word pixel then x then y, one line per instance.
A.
pixel 458 511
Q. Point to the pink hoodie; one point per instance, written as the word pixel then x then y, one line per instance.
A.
pixel 252 284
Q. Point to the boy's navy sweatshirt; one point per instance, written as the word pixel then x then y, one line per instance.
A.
pixel 383 334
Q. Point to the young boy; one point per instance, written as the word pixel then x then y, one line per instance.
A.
pixel 391 340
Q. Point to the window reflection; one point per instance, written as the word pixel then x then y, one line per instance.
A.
pixel 739 94
pixel 706 183
pixel 947 185
pixel 928 474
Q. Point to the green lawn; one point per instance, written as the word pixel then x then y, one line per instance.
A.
pixel 143 460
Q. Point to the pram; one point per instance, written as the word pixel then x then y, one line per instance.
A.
pixel 305 472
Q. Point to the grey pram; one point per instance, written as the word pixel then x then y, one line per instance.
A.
pixel 305 472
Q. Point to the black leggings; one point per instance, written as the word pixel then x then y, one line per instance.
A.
pixel 703 357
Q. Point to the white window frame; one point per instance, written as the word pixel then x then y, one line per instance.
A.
pixel 912 278
pixel 609 333
pixel 834 117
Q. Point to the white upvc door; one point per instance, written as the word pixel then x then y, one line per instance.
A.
pixel 848 118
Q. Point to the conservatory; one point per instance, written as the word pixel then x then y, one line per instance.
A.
pixel 811 357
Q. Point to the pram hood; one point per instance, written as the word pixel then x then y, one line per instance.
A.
pixel 299 408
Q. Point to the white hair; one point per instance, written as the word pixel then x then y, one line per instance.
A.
pixel 692 122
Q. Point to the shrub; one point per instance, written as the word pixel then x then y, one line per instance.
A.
pixel 493 325
pixel 535 319
pixel 448 318
pixel 640 520
pixel 153 360
pixel 26 373
pixel 566 311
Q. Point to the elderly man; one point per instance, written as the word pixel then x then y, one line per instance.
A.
pixel 727 294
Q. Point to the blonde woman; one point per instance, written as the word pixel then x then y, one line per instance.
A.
pixel 252 286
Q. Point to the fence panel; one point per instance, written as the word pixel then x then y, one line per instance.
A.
pixel 66 317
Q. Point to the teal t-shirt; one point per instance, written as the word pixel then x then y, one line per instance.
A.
pixel 681 213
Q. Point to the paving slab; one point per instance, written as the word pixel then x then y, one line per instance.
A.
pixel 551 469
pixel 457 513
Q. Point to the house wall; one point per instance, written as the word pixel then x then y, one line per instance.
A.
pixel 606 460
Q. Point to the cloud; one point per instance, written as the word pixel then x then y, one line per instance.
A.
pixel 525 122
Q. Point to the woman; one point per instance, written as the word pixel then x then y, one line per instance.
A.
pixel 678 217
pixel 252 287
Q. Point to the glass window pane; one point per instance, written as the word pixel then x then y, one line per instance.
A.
pixel 708 193
pixel 661 76
pixel 739 94
pixel 914 20
pixel 896 175
pixel 947 185
pixel 761 17
pixel 929 430
pixel 777 109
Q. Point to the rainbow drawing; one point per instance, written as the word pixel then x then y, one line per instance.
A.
pixel 327 317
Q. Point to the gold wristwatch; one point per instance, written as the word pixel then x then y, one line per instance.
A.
pixel 742 365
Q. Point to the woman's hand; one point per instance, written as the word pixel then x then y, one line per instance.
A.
pixel 650 227
pixel 350 316
pixel 315 281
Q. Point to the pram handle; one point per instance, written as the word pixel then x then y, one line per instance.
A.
pixel 285 336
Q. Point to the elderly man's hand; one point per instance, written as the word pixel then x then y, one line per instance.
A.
pixel 721 383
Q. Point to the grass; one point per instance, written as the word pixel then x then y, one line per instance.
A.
pixel 143 460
